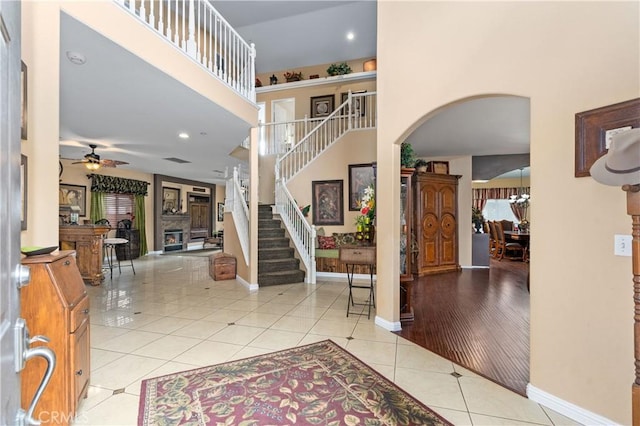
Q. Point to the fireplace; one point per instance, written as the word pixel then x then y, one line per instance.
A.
pixel 173 239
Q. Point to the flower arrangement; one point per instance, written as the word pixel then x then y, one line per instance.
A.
pixel 476 216
pixel 293 76
pixel 367 205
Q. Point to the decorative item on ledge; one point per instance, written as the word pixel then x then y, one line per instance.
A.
pixel 339 69
pixel 273 79
pixel 258 82
pixel 292 76
pixel 420 165
pixel 438 167
pixel 370 65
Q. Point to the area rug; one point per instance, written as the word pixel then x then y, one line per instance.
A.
pixel 317 384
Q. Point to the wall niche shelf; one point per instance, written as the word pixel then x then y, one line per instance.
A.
pixel 355 76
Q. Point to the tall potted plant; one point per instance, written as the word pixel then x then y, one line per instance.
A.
pixel 407 156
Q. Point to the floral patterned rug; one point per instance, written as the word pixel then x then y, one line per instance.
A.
pixel 317 384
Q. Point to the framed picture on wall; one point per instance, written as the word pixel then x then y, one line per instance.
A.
pixel 322 106
pixel 73 196
pixel 170 199
pixel 360 177
pixel 220 212
pixel 358 104
pixel 328 207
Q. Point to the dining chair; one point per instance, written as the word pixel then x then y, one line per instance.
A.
pixel 507 225
pixel 493 239
pixel 505 247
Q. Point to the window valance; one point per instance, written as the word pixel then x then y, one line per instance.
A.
pixel 117 185
pixel 498 193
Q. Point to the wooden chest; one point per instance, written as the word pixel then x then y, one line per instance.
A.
pixel 222 266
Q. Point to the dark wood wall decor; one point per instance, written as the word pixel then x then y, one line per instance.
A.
pixel 633 209
pixel 595 127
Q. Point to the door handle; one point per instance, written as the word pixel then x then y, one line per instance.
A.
pixel 23 354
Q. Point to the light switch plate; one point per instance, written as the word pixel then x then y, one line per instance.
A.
pixel 622 245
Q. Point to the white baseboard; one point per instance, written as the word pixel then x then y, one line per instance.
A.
pixel 565 408
pixel 474 267
pixel 387 325
pixel 343 276
pixel 251 287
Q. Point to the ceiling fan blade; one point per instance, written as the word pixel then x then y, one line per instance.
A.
pixel 112 163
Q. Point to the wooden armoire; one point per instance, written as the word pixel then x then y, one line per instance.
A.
pixel 435 206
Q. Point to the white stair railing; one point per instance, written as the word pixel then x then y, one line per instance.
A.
pixel 302 234
pixel 198 29
pixel 236 199
pixel 358 112
pixel 278 138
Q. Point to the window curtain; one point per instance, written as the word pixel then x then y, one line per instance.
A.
pixel 481 195
pixel 97 210
pixel 101 184
pixel 139 222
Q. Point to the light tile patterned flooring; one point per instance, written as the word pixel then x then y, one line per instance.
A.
pixel 171 316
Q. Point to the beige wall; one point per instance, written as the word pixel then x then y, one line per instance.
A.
pixel 353 148
pixel 566 57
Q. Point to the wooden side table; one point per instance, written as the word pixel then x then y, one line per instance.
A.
pixel 359 255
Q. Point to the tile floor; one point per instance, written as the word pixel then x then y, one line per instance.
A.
pixel 171 316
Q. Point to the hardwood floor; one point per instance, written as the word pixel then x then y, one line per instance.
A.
pixel 478 318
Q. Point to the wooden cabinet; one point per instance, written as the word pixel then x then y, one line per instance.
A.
pixel 406 244
pixel 200 220
pixel 435 223
pixel 86 240
pixel 55 304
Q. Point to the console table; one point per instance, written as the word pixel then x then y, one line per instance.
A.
pixel 359 255
pixel 86 240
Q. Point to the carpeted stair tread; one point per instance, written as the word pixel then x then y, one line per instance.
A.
pixel 281 277
pixel 273 242
pixel 273 265
pixel 275 253
pixel 276 261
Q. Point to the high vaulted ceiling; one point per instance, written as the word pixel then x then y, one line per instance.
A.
pixel 133 112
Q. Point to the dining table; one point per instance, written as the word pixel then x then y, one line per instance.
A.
pixel 521 237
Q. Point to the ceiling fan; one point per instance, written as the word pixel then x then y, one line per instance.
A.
pixel 93 162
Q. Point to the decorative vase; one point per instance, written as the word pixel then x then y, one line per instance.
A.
pixel 523 226
pixel 478 226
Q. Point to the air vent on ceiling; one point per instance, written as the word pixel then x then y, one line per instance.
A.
pixel 177 160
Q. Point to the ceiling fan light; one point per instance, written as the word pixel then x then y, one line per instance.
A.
pixel 92 166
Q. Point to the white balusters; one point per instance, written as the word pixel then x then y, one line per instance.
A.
pixel 197 28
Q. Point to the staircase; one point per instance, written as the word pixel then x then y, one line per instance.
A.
pixel 276 262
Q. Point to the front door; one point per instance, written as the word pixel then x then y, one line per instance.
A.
pixel 9 206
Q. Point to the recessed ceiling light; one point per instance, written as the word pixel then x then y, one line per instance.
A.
pixel 183 135
pixel 76 58
pixel 350 35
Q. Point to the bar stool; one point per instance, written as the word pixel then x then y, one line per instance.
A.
pixel 110 245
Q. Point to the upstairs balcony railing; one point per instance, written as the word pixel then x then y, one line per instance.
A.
pixel 198 29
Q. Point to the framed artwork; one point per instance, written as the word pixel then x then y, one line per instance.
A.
pixel 73 195
pixel 322 106
pixel 170 199
pixel 439 167
pixel 23 101
pixel 328 208
pixel 220 212
pixel 360 177
pixel 594 129
pixel 358 103
pixel 23 192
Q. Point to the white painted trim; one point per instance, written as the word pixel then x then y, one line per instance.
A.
pixel 387 325
pixel 318 81
pixel 343 276
pixel 251 287
pixel 474 267
pixel 566 408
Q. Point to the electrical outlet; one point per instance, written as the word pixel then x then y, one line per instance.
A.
pixel 622 245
